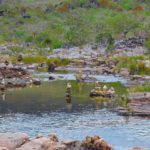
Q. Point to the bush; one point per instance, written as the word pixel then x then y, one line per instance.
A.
pixel 58 62
pixel 138 8
pixel 134 64
pixel 147 45
pixel 64 7
pixel 127 4
pixel 34 59
pixel 20 34
pixel 16 49
pixel 43 39
pixel 140 88
pixel 56 43
pixel 104 3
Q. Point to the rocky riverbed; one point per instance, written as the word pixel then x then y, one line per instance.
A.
pixel 89 59
pixel 21 141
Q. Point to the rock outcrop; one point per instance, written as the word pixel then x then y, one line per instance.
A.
pixel 130 47
pixel 11 141
pixel 15 76
pixel 138 105
pixel 18 141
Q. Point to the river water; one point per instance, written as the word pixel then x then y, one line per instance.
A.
pixel 43 110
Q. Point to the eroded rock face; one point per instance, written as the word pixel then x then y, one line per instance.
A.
pixel 137 148
pixel 13 72
pixel 130 43
pixel 124 72
pixel 36 81
pixel 16 76
pixel 130 47
pixel 3 148
pixel 140 79
pixel 95 143
pixel 12 140
pixel 37 144
pixel 18 141
pixel 138 105
pixel 72 144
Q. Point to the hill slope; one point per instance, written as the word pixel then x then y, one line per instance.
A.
pixel 59 23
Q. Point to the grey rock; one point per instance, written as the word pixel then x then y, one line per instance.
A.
pixel 36 81
pixel 35 144
pixel 12 140
pixel 124 72
pixel 4 148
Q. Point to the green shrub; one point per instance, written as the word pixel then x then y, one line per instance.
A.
pixel 16 49
pixel 20 34
pixel 134 64
pixel 147 45
pixel 43 39
pixel 56 43
pixel 127 4
pixel 29 39
pixel 140 88
pixel 58 62
pixel 34 59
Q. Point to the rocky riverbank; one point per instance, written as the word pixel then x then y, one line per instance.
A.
pixel 21 141
pixel 138 105
pixel 15 76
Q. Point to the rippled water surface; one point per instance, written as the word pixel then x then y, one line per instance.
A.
pixel 44 110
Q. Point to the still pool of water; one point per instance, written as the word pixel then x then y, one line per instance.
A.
pixel 44 110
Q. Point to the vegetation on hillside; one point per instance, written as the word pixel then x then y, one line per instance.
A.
pixel 63 23
pixel 136 64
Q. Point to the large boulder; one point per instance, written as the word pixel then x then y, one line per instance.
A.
pixel 95 143
pixel 72 144
pixel 33 67
pixel 36 81
pixel 51 67
pixel 124 72
pixel 36 144
pixel 15 82
pixel 138 105
pixel 12 141
pixel 18 141
pixel 4 148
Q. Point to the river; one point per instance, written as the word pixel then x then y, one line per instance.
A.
pixel 43 110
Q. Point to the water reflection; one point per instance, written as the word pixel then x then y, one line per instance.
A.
pixel 78 116
pixel 53 96
pixel 3 95
pixel 101 102
pixel 69 107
